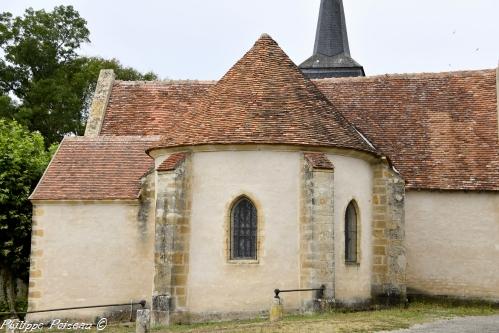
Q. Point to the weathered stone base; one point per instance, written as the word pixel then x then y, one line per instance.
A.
pixel 143 321
pixel 160 314
pixel 414 295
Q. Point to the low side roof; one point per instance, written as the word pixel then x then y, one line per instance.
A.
pixel 102 168
pixel 439 130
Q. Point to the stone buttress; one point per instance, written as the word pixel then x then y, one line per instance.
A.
pixel 317 226
pixel 171 253
pixel 389 254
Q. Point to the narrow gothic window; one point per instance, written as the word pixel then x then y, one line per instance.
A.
pixel 243 230
pixel 351 233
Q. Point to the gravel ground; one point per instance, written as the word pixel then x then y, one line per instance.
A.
pixel 488 324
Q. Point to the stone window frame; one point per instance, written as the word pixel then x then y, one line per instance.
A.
pixel 259 231
pixel 358 258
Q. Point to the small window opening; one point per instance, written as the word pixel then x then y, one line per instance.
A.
pixel 351 235
pixel 243 230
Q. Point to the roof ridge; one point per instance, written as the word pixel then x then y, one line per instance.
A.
pixel 114 138
pixel 163 82
pixel 460 73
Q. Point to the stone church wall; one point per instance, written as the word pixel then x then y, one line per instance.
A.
pixel 389 249
pixel 89 253
pixel 271 180
pixel 317 237
pixel 171 247
pixel 353 179
pixel 453 244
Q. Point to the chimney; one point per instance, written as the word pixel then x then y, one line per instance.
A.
pixel 99 102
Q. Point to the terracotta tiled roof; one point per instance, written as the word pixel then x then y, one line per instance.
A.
pixel 264 98
pixel 319 161
pixel 149 108
pixel 439 130
pixel 96 168
pixel 172 162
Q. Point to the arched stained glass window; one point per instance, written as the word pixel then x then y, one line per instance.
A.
pixel 243 229
pixel 351 235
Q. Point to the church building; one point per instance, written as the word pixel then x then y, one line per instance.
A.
pixel 202 197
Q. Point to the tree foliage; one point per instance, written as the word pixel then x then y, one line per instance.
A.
pixel 23 158
pixel 40 67
pixel 45 92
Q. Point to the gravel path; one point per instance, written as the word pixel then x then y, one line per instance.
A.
pixel 488 324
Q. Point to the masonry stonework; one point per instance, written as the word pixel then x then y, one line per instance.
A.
pixel 35 272
pixel 99 102
pixel 389 255
pixel 171 253
pixel 317 231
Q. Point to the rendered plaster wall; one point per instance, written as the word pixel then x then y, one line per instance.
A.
pixel 353 179
pixel 89 254
pixel 453 244
pixel 271 180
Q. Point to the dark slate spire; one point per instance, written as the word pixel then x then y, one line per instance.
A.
pixel 331 56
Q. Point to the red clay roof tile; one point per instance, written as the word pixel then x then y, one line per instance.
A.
pixel 96 168
pixel 172 162
pixel 319 161
pixel 149 108
pixel 440 130
pixel 264 98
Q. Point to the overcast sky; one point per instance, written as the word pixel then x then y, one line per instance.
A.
pixel 201 39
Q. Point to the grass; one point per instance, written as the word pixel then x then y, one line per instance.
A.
pixel 337 321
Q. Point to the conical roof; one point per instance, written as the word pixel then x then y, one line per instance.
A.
pixel 265 99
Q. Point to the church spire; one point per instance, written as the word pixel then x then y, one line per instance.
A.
pixel 331 38
pixel 331 56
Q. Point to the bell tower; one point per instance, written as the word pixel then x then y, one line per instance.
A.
pixel 331 57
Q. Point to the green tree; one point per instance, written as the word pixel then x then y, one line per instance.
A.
pixel 46 89
pixel 41 67
pixel 22 160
